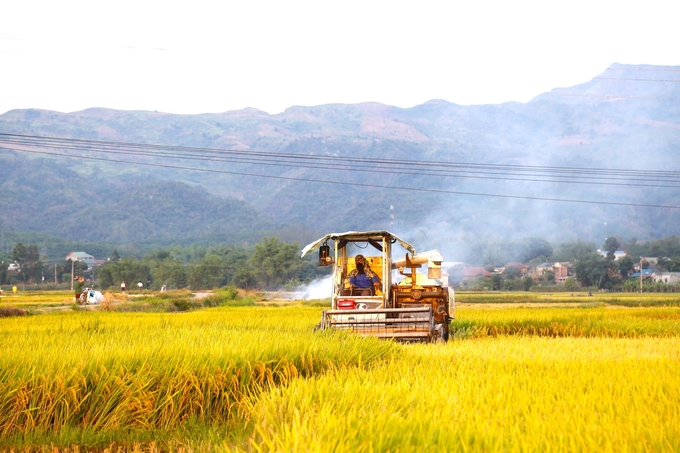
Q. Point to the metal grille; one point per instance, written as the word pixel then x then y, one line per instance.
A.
pixel 405 324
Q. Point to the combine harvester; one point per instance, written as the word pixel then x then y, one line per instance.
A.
pixel 418 308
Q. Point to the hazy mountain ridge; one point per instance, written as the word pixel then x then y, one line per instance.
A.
pixel 581 126
pixel 43 196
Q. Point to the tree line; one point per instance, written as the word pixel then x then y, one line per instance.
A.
pixel 273 264
pixel 270 264
pixel 590 268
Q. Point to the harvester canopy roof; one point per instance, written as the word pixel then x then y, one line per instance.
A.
pixel 358 236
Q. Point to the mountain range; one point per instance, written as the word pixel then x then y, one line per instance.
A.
pixel 439 174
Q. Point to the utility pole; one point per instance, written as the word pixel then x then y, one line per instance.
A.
pixel 640 274
pixel 72 268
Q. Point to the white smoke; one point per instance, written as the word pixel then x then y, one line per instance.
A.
pixel 317 289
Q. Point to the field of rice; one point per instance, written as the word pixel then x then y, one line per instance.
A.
pixel 258 379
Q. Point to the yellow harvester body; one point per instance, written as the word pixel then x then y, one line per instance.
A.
pixel 419 307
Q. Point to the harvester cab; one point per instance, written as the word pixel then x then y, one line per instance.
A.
pixel 419 307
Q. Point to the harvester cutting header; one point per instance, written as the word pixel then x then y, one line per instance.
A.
pixel 365 300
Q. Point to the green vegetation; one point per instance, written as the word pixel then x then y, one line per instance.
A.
pixel 271 264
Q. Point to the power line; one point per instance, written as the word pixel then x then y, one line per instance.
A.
pixel 261 156
pixel 460 170
pixel 355 184
pixel 464 174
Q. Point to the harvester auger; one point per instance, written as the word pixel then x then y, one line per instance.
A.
pixel 418 308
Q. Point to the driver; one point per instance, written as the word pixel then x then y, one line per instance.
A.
pixel 362 280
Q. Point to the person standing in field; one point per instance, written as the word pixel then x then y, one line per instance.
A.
pixel 14 290
pixel 122 287
pixel 140 285
pixel 78 287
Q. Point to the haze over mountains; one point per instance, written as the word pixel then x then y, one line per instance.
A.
pixel 627 118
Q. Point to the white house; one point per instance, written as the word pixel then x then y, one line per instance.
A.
pixel 84 257
pixel 666 277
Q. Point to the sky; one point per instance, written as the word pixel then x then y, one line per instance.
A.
pixel 215 56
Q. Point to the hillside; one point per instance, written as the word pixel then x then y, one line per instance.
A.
pixel 621 119
pixel 45 196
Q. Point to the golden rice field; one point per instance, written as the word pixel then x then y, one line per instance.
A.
pixel 568 298
pixel 258 379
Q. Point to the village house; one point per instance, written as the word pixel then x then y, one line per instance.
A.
pixel 562 271
pixel 522 267
pixel 651 262
pixel 666 277
pixel 471 272
pixel 83 257
pixel 646 274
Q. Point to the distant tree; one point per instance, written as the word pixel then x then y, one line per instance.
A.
pixel 496 282
pixel 570 284
pixel 611 245
pixel 574 250
pixel 233 258
pixel 512 285
pixel 208 274
pixel 106 277
pixel 128 270
pixel 116 256
pixel 493 257
pixel 3 272
pixel 625 266
pixel 527 283
pixel 19 253
pixel 33 265
pixel 481 282
pixel 28 259
pixel 663 263
pixel 549 277
pixel 159 255
pixel 512 273
pixel 674 264
pixel 169 272
pixel 275 262
pixel 533 247
pixel 245 277
pixel 593 270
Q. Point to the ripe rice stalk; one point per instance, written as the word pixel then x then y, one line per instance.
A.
pixel 108 371
pixel 492 394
